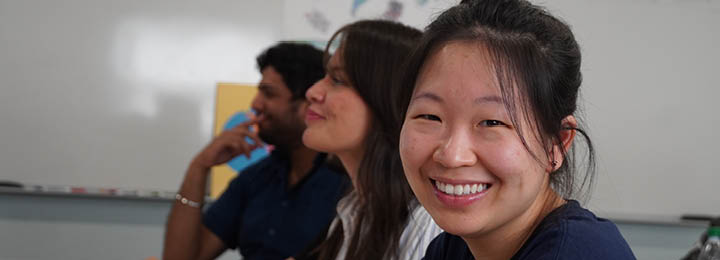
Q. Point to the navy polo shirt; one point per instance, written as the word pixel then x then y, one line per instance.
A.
pixel 264 219
pixel 568 232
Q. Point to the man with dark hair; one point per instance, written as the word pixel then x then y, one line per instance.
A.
pixel 278 206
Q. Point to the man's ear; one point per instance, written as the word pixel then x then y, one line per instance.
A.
pixel 567 135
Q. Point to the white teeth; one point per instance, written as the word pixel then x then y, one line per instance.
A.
pixel 460 189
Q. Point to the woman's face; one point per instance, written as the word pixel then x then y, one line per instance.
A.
pixel 337 118
pixel 461 153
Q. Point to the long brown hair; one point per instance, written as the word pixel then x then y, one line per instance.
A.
pixel 373 54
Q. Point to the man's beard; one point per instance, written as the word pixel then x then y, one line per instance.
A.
pixel 284 134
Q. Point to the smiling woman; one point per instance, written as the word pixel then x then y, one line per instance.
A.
pixel 350 115
pixel 338 119
pixel 452 147
pixel 486 143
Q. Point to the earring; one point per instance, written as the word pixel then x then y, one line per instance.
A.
pixel 554 163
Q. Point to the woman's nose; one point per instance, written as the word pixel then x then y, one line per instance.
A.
pixel 316 93
pixel 455 151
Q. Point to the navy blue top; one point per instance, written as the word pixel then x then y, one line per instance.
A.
pixel 568 232
pixel 264 219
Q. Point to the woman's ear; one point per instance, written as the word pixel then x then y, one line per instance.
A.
pixel 567 135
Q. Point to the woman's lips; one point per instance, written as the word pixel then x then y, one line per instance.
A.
pixel 311 115
pixel 459 193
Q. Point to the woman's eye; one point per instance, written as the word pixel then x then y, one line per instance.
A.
pixel 492 123
pixel 429 117
pixel 336 82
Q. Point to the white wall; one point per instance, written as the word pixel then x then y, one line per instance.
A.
pixel 319 19
pixel 119 93
pixel 649 95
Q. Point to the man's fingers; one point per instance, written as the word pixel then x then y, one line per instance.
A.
pixel 240 144
pixel 237 131
pixel 250 121
pixel 243 132
pixel 256 139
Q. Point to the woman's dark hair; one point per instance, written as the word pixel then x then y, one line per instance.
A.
pixel 536 61
pixel 299 64
pixel 373 53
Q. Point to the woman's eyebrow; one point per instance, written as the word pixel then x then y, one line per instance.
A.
pixel 486 99
pixel 429 96
pixel 438 99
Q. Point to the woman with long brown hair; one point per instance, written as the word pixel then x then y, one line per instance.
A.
pixel 350 115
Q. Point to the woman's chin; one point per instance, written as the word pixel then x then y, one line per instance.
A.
pixel 309 139
pixel 317 141
pixel 458 229
pixel 458 224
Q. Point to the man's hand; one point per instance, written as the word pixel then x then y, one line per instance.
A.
pixel 228 145
pixel 186 237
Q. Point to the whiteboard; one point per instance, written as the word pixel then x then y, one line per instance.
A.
pixel 120 93
pixel 649 96
pixel 104 93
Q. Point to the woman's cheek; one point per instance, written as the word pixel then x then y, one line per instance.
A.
pixel 404 145
pixel 497 154
pixel 411 148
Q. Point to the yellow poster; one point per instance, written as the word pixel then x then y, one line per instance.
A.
pixel 232 107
